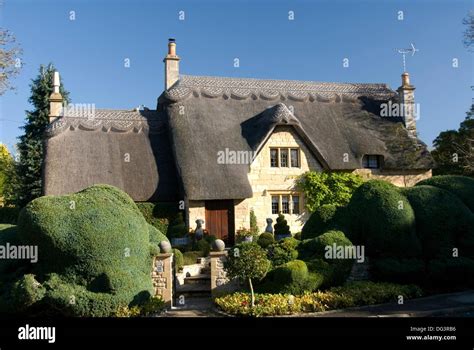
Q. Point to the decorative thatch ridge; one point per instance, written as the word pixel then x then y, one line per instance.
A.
pixel 272 90
pixel 108 120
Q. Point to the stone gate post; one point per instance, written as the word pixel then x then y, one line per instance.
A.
pixel 162 276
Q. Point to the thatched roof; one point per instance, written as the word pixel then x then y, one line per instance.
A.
pixel 209 114
pixel 82 151
pixel 200 116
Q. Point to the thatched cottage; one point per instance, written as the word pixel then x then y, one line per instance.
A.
pixel 224 146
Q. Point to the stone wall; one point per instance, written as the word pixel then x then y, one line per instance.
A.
pixel 266 180
pixel 401 178
pixel 220 283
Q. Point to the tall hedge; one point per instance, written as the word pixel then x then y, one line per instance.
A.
pixel 461 186
pixel 443 222
pixel 94 250
pixel 382 219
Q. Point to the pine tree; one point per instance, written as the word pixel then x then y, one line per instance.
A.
pixel 30 147
pixel 281 226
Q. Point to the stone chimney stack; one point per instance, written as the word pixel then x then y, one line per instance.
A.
pixel 408 108
pixel 171 65
pixel 55 99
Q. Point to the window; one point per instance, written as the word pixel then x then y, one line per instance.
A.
pixel 296 204
pixel 275 204
pixel 274 157
pixel 285 205
pixel 295 158
pixel 284 157
pixel 281 204
pixel 371 161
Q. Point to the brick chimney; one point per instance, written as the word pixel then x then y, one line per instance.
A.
pixel 407 99
pixel 171 65
pixel 55 99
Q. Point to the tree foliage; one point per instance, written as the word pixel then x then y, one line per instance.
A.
pixel 334 188
pixel 30 147
pixel 247 261
pixel 454 149
pixel 10 63
pixel 7 175
pixel 469 32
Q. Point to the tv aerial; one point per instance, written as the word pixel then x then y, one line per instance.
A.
pixel 404 52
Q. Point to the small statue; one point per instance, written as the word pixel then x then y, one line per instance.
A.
pixel 199 232
pixel 269 227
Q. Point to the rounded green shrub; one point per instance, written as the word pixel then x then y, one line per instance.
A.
pixel 283 251
pixel 409 270
pixel 382 219
pixel 178 259
pixel 155 235
pixel 319 221
pixel 265 239
pixel 27 291
pixel 203 246
pixel 292 277
pixel 95 243
pixel 443 222
pixel 461 186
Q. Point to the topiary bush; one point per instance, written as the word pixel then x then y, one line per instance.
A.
pixel 408 270
pixel 94 251
pixel 319 221
pixel 265 239
pixel 190 258
pixel 283 251
pixel 247 262
pixel 461 186
pixel 382 219
pixel 292 277
pixel 281 227
pixel 177 228
pixel 203 246
pixel 443 221
pixel 157 214
pixel 178 259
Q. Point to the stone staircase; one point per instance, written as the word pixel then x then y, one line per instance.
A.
pixel 197 285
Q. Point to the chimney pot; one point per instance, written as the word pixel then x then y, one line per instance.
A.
pixel 171 64
pixel 405 79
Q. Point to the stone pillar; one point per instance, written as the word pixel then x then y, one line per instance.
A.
pixel 162 276
pixel 219 280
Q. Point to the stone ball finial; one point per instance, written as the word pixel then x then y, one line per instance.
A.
pixel 218 245
pixel 165 247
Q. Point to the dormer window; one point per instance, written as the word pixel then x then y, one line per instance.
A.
pixel 371 161
pixel 285 157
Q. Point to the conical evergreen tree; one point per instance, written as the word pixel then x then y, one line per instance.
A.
pixel 281 226
pixel 30 147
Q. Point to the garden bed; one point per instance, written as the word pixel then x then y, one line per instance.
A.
pixel 350 295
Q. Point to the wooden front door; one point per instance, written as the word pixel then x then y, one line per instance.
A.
pixel 220 220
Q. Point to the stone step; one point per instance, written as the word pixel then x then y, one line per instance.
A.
pixel 206 271
pixel 193 291
pixel 198 279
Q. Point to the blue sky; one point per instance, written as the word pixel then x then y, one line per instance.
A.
pixel 90 51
